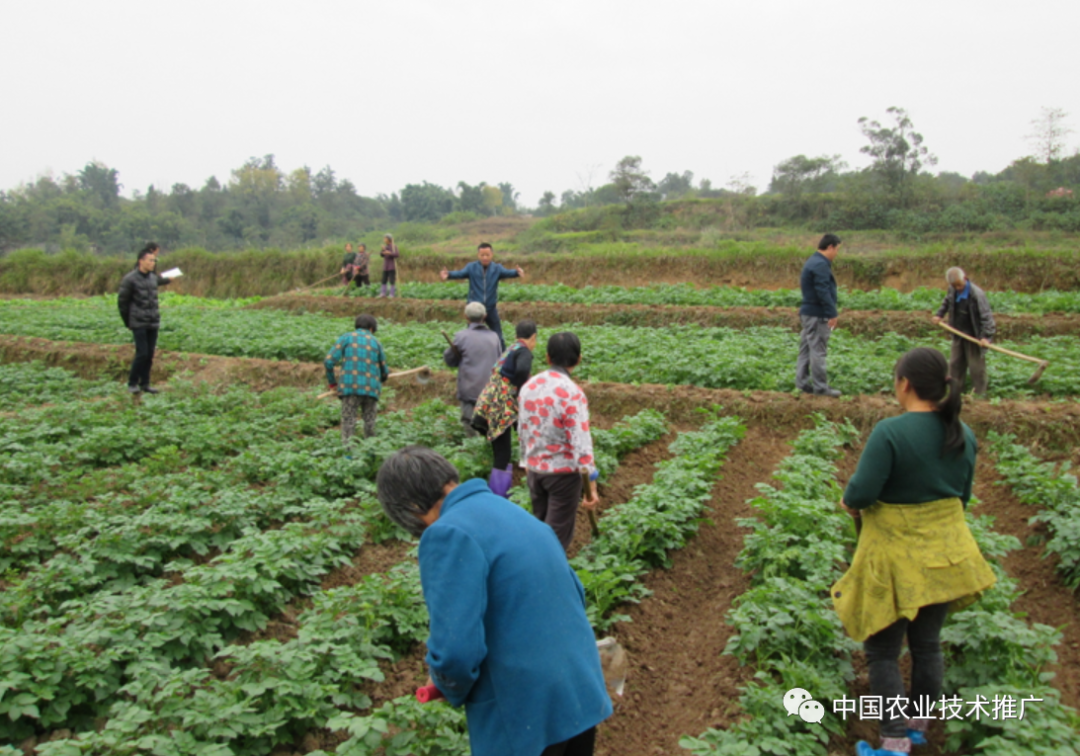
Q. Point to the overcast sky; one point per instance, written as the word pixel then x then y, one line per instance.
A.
pixel 540 94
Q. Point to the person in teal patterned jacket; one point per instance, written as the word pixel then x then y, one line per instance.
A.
pixel 363 370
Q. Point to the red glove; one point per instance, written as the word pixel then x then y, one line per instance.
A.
pixel 428 693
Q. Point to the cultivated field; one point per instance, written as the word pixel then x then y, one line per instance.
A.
pixel 207 571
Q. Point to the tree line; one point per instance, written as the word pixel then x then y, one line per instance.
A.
pixel 262 205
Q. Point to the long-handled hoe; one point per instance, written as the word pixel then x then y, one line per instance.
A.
pixel 312 286
pixel 1034 377
pixel 423 375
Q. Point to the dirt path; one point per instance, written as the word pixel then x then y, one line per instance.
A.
pixel 1045 599
pixel 680 684
pixel 871 323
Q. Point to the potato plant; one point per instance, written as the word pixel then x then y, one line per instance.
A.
pixel 1051 487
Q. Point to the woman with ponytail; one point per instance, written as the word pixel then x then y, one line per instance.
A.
pixel 916 559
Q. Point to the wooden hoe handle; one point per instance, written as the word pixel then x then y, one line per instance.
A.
pixel 995 347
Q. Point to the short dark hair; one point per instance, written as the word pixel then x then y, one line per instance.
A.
pixel 361 245
pixel 409 484
pixel 564 349
pixel 367 322
pixel 482 245
pixel 525 329
pixel 829 240
pixel 145 252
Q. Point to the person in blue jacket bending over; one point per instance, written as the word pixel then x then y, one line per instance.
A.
pixel 484 276
pixel 509 638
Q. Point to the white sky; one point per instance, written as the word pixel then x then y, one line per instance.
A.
pixel 539 94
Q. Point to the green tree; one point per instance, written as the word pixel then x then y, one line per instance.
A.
pixel 547 204
pixel 629 180
pixel 1049 135
pixel 300 186
pixel 799 175
pixel 102 182
pixel 182 200
pixel 509 197
pixel 898 153
pixel 470 199
pixel 256 185
pixel 674 185
pixel 493 199
pixel 425 202
pixel 324 182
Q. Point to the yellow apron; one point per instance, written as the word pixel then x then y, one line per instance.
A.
pixel 909 556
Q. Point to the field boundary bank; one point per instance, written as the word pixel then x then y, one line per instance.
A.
pixel 243 274
pixel 1053 424
pixel 857 322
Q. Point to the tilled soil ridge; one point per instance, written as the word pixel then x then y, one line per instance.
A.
pixel 1053 424
pixel 872 323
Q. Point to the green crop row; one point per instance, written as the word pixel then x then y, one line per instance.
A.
pixel 26 384
pixel 786 628
pixel 686 295
pixel 784 624
pixel 751 359
pixel 921 299
pixel 1051 487
pixel 637 536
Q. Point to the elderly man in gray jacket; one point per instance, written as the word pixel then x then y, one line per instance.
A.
pixel 968 311
pixel 474 353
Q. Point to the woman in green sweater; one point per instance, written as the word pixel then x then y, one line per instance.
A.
pixel 916 559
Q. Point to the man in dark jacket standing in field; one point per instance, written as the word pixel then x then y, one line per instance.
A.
pixel 138 301
pixel 969 312
pixel 484 276
pixel 474 353
pixel 818 315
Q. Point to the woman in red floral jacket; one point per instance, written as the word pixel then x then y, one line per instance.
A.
pixel 556 445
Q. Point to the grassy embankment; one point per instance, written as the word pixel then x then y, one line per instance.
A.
pixel 689 246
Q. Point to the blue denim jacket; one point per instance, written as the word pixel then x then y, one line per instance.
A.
pixel 483 288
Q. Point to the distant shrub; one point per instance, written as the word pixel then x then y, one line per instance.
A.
pixel 461 216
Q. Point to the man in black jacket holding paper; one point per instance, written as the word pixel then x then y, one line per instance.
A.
pixel 138 302
pixel 818 315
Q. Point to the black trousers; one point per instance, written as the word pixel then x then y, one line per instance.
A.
pixel 555 499
pixel 494 323
pixel 389 277
pixel 500 449
pixel 927 663
pixel 145 343
pixel 579 745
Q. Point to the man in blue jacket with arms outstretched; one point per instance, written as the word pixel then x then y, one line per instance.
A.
pixel 484 276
